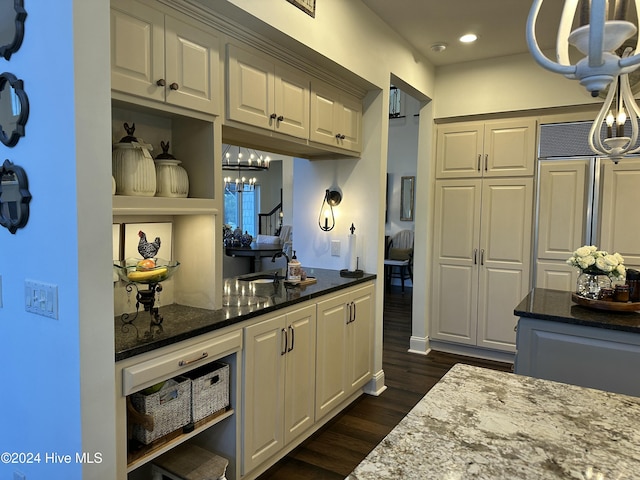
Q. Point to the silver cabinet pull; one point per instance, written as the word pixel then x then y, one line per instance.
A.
pixel 486 161
pixel 475 256
pixel 479 157
pixel 183 363
pixel 482 256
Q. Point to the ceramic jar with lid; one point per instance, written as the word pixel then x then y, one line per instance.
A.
pixel 171 178
pixel 132 166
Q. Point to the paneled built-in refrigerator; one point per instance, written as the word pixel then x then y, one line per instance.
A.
pixel 581 200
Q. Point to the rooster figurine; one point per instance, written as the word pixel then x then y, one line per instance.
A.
pixel 148 249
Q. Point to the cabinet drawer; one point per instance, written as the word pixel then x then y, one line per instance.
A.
pixel 152 371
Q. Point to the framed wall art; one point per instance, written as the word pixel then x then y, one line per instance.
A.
pixel 145 236
pixel 307 6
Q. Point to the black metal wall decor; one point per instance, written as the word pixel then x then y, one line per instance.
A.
pixel 12 17
pixel 14 197
pixel 14 109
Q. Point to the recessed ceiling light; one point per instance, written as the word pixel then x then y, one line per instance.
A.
pixel 468 38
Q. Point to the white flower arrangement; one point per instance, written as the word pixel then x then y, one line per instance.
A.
pixel 598 262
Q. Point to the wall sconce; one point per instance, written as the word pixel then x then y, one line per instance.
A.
pixel 326 218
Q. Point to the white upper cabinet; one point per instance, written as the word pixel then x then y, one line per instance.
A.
pixel 158 57
pixel 496 148
pixel 266 94
pixel 336 117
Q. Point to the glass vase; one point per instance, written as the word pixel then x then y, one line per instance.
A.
pixel 590 284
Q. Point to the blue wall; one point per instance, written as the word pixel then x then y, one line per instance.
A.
pixel 40 357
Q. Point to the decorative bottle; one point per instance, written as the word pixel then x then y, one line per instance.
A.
pixel 293 269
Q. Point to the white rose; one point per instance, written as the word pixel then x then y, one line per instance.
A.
pixel 621 270
pixel 583 251
pixel 602 265
pixel 611 260
pixel 619 257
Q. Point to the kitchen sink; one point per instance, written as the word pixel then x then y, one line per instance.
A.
pixel 261 278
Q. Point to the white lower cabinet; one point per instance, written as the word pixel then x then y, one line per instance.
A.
pixel 344 347
pixel 280 356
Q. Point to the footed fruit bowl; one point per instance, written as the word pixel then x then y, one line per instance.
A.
pixel 147 271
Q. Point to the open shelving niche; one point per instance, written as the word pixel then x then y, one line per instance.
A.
pixel 195 140
pixel 196 220
pixel 217 433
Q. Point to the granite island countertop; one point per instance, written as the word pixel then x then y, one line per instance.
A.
pixel 242 300
pixel 557 306
pixel 478 423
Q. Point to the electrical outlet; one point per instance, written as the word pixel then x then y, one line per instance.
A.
pixel 335 248
pixel 41 298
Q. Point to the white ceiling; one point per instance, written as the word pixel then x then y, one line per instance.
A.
pixel 499 24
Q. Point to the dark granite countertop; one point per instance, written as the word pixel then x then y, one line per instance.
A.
pixel 242 301
pixel 557 306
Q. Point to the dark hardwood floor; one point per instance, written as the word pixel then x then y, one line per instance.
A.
pixel 335 450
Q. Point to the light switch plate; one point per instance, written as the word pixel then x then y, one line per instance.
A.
pixel 41 298
pixel 335 248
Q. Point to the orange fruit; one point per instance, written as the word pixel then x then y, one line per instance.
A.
pixel 146 264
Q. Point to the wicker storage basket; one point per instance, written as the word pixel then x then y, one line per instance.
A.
pixel 169 407
pixel 209 389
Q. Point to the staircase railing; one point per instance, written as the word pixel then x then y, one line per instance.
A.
pixel 270 223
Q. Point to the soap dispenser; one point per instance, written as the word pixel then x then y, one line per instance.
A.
pixel 293 269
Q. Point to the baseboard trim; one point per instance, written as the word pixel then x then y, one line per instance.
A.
pixel 419 345
pixel 469 351
pixel 376 385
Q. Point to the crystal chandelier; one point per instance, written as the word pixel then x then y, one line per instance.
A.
pixel 241 159
pixel 603 31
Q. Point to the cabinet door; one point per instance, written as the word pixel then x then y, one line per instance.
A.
pixel 250 88
pixel 299 403
pixel 264 382
pixel 325 121
pixel 620 197
pixel 360 335
pixel 459 150
pixel 350 123
pixel 192 65
pixel 509 148
pixel 561 220
pixel 505 258
pixel 331 354
pixel 291 103
pixel 456 257
pixel 137 49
